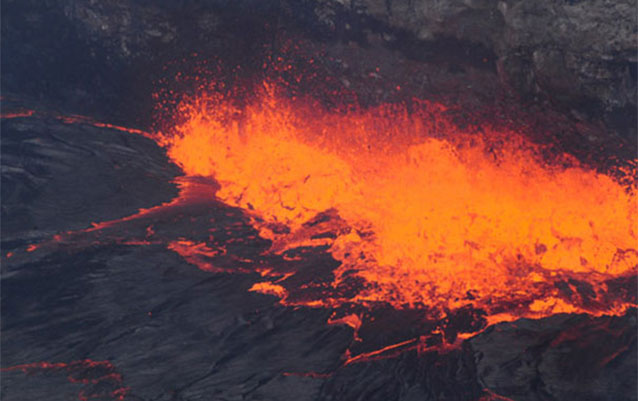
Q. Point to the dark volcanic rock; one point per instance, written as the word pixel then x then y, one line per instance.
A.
pixel 563 357
pixel 58 177
pixel 580 54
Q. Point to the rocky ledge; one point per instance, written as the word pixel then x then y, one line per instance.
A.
pixel 579 56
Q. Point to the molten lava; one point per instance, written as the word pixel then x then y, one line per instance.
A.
pixel 423 213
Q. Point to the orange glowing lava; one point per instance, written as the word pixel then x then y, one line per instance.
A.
pixel 429 215
pixel 17 114
pixel 100 378
pixel 77 119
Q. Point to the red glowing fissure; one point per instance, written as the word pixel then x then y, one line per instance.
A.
pixel 100 377
pixel 77 119
pixel 17 114
pixel 73 119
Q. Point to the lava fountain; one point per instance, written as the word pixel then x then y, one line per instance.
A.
pixel 419 212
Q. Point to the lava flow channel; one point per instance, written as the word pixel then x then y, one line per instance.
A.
pixel 422 214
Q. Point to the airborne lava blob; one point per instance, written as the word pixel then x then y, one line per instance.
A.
pixel 423 213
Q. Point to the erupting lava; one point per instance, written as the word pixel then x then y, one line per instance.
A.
pixel 451 229
pixel 420 213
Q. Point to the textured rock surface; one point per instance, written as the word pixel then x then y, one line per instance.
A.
pixel 81 174
pixel 562 357
pixel 580 55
